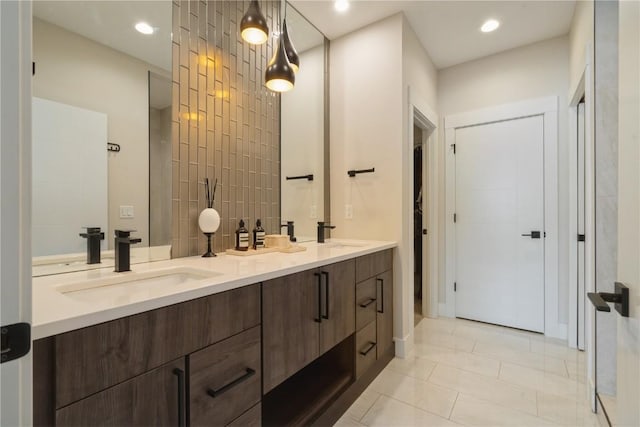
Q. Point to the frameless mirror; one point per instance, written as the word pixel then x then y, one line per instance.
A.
pixel 101 129
pixel 302 131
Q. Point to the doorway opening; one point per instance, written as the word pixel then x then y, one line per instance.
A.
pixel 418 202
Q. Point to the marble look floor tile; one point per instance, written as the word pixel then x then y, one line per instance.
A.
pixel 388 412
pixel 444 340
pixel 566 411
pixel 421 394
pixel 441 324
pixel 413 366
pixel 524 358
pixel 541 381
pixel 493 336
pixel 577 371
pixel 362 404
pixel 459 359
pixel 346 421
pixel 559 350
pixel 472 411
pixel 490 389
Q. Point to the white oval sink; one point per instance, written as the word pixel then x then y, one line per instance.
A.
pixel 133 286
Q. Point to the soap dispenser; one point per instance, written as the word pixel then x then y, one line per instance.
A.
pixel 258 236
pixel 242 237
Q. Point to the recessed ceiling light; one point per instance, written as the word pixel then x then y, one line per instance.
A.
pixel 144 28
pixel 490 25
pixel 341 5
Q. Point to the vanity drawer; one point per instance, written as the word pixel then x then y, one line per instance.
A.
pixel 92 359
pixel 251 418
pixel 373 264
pixel 365 303
pixel 225 379
pixel 365 348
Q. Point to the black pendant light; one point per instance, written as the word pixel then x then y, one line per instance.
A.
pixel 292 55
pixel 279 76
pixel 253 26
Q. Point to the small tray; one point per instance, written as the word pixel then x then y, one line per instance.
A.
pixel 251 251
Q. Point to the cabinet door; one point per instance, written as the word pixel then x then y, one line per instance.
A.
pixel 384 282
pixel 156 398
pixel 290 328
pixel 338 303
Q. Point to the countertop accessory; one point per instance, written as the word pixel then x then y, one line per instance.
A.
pixel 242 237
pixel 307 177
pixel 258 235
pixel 290 230
pixel 321 226
pixel 123 243
pixel 93 236
pixel 354 172
pixel 209 219
pixel 278 241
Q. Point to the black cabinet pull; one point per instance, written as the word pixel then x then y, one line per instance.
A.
pixel 319 283
pixel 381 283
pixel 181 396
pixel 326 294
pixel 368 303
pixel 248 374
pixel 372 345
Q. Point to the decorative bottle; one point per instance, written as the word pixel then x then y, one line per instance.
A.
pixel 258 236
pixel 242 237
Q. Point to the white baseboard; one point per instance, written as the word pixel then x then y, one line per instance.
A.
pixel 404 346
pixel 559 330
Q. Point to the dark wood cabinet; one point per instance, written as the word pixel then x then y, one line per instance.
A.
pixel 338 320
pixel 304 315
pixel 290 318
pixel 153 398
pixel 384 316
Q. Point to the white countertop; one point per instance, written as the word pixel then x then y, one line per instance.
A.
pixel 55 312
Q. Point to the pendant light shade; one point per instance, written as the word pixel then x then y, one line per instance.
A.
pixel 253 26
pixel 279 76
pixel 292 55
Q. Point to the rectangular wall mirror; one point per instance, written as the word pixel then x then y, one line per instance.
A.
pixel 101 130
pixel 304 167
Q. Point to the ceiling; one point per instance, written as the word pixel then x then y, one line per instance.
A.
pixel 448 29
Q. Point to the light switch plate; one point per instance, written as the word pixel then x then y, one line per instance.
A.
pixel 348 211
pixel 126 212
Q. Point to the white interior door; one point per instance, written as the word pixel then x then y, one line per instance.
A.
pixel 15 217
pixel 499 209
pixel 628 335
pixel 581 226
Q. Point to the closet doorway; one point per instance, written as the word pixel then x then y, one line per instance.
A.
pixel 422 131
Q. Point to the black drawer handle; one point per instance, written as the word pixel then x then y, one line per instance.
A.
pixel 181 396
pixel 319 283
pixel 372 345
pixel 368 303
pixel 248 374
pixel 381 282
pixel 326 294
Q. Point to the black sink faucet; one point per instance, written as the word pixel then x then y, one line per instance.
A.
pixel 321 227
pixel 93 236
pixel 290 232
pixel 123 247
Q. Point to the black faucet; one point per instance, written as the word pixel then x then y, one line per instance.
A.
pixel 123 246
pixel 290 233
pixel 321 227
pixel 93 236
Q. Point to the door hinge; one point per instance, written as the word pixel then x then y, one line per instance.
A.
pixel 16 341
pixel 455 286
pixel 454 148
pixel 581 237
pixel 455 217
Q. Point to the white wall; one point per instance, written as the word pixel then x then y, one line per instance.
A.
pixel 302 146
pixel 533 71
pixel 77 71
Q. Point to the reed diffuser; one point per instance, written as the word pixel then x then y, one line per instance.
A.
pixel 209 219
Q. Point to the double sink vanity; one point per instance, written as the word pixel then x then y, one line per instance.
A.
pixel 272 339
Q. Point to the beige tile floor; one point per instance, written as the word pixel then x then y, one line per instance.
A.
pixel 469 373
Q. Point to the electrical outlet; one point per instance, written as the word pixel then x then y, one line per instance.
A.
pixel 313 212
pixel 348 211
pixel 126 212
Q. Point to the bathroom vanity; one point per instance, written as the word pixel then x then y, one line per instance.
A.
pixel 278 339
